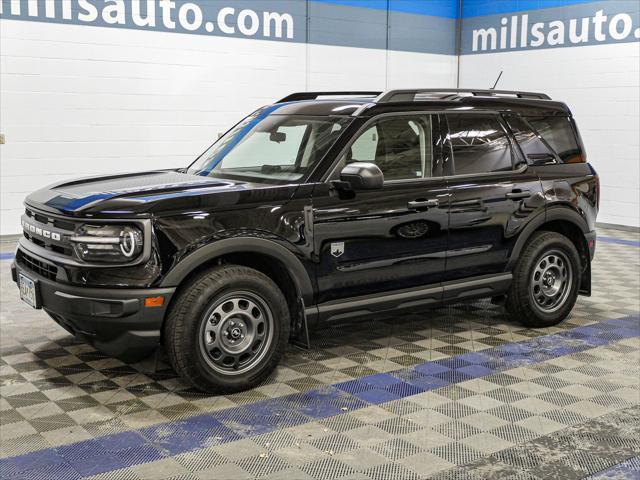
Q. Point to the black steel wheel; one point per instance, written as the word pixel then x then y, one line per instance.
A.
pixel 545 282
pixel 551 281
pixel 227 329
pixel 236 332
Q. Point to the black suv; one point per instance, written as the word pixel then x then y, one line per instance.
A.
pixel 322 206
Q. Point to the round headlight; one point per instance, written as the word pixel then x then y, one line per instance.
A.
pixel 130 242
pixel 108 243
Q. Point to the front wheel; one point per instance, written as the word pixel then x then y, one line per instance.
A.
pixel 228 329
pixel 545 281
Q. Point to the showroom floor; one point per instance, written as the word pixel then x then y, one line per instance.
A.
pixel 458 392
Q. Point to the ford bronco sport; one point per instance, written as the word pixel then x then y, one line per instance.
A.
pixel 322 206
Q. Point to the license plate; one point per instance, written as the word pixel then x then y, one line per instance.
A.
pixel 28 290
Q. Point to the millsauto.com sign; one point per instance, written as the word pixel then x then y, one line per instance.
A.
pixel 610 21
pixel 407 25
pixel 576 23
pixel 273 20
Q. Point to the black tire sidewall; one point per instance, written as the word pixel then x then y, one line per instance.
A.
pixel 222 281
pixel 540 245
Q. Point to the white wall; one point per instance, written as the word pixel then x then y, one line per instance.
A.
pixel 601 85
pixel 84 100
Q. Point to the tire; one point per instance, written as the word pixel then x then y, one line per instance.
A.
pixel 227 330
pixel 545 282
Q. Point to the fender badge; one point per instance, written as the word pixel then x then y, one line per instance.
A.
pixel 337 249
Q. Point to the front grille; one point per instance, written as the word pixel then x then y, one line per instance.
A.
pixel 55 221
pixel 39 267
pixel 42 222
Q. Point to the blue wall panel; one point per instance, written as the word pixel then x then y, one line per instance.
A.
pixel 411 25
pixel 347 26
pixel 422 33
pixel 477 8
pixel 434 8
pixel 574 23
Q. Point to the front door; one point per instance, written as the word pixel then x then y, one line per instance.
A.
pixel 391 238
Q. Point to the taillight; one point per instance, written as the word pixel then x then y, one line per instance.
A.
pixel 596 187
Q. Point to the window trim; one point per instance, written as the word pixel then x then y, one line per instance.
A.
pixel 514 152
pixel 326 178
pixel 522 169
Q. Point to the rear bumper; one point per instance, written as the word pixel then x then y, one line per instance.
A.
pixel 113 320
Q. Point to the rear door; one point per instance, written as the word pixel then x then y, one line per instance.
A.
pixel 493 195
pixel 390 238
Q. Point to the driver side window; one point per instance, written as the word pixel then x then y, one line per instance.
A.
pixel 401 146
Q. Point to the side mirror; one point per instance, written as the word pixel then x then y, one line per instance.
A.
pixel 362 176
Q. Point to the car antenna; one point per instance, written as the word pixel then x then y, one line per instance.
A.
pixel 497 80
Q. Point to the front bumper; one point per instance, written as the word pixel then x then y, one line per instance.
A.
pixel 113 320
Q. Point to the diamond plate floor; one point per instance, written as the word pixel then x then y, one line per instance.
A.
pixel 456 392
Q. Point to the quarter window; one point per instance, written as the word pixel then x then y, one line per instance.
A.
pixel 400 146
pixel 479 144
pixel 558 133
pixel 530 143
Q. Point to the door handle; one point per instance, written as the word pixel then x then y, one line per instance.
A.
pixel 418 204
pixel 517 194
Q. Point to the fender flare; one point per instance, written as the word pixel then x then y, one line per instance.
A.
pixel 555 213
pixel 296 270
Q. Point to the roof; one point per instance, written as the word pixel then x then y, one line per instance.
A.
pixel 366 104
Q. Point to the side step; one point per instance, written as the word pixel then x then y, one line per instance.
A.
pixel 492 285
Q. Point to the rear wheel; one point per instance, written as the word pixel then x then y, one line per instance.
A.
pixel 545 281
pixel 228 329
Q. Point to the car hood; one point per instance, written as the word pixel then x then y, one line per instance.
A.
pixel 146 193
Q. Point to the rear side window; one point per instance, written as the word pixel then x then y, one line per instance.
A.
pixel 532 146
pixel 559 134
pixel 479 144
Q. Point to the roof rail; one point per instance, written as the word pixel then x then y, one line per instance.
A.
pixel 409 95
pixel 313 95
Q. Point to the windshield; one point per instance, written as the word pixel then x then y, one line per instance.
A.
pixel 271 148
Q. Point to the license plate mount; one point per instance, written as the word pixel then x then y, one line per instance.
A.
pixel 29 290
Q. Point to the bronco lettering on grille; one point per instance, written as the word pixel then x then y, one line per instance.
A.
pixel 40 231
